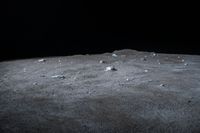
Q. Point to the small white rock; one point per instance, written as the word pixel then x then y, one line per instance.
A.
pixel 58 76
pixel 41 60
pixel 110 68
pixel 162 85
pixel 89 92
pixel 102 61
pixel 186 64
pixel 158 62
pixel 127 79
pixel 146 71
pixel 182 60
pixel 114 55
pixel 35 83
pixel 153 54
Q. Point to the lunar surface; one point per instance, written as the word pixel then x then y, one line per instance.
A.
pixel 125 91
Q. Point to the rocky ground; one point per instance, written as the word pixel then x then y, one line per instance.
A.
pixel 125 91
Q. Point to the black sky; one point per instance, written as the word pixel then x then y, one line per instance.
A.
pixel 47 28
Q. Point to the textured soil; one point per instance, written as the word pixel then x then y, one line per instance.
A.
pixel 147 93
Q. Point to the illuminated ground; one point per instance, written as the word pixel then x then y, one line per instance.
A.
pixel 147 93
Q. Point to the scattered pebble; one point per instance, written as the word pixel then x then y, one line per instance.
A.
pixel 114 55
pixel 185 64
pixel 178 57
pixel 102 61
pixel 146 71
pixel 35 83
pixel 145 56
pixel 110 68
pixel 42 76
pixel 153 54
pixel 41 60
pixel 158 62
pixel 182 60
pixel 162 85
pixel 58 76
pixel 89 92
pixel 189 101
pixel 143 59
pixel 150 80
pixel 127 79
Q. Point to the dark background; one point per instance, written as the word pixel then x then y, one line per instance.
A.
pixel 47 28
